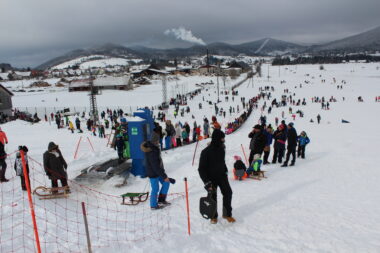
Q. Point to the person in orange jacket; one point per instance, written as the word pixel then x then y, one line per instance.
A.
pixel 3 137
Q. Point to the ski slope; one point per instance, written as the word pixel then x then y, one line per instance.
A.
pixel 328 202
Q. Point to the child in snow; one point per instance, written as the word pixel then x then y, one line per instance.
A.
pixel 71 126
pixel 254 169
pixel 239 169
pixel 303 140
pixel 19 168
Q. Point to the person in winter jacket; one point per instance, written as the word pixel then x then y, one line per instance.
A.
pixel 55 166
pixel 213 172
pixel 156 172
pixel 77 123
pixel 120 146
pixel 178 134
pixel 258 142
pixel 269 134
pixel 71 126
pixel 254 168
pixel 158 130
pixel 3 137
pixel 19 167
pixel 279 137
pixel 206 127
pixel 170 132
pixel 215 123
pixel 292 145
pixel 3 164
pixel 239 169
pixel 303 140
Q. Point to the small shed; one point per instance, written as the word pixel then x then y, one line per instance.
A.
pixel 5 100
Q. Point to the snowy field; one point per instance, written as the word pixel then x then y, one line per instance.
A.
pixel 328 202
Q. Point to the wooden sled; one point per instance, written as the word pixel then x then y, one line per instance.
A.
pixel 131 198
pixel 259 176
pixel 51 193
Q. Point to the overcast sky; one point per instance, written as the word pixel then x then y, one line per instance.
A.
pixel 33 31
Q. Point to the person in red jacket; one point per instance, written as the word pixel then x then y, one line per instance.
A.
pixel 3 137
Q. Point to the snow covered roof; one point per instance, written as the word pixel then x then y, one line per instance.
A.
pixel 102 81
pixel 23 73
pixel 134 119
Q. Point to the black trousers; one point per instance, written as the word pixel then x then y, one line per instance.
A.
pixel 3 169
pixel 226 190
pixel 54 182
pixel 301 151
pixel 179 142
pixel 266 156
pixel 277 155
pixel 291 151
pixel 23 184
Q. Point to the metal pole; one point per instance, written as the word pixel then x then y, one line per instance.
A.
pixel 31 206
pixel 86 227
pixel 187 207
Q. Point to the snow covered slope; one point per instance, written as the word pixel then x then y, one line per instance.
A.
pixel 328 202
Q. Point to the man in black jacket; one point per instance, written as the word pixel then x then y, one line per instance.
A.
pixel 55 166
pixel 213 172
pixel 292 144
pixel 258 142
pixel 3 164
pixel 156 172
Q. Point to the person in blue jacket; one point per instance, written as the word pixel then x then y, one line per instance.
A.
pixel 156 172
pixel 303 140
pixel 269 134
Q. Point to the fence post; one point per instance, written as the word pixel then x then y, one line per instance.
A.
pixel 187 207
pixel 195 151
pixel 76 150
pixel 245 155
pixel 86 226
pixel 31 206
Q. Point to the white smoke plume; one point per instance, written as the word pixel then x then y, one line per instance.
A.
pixel 181 33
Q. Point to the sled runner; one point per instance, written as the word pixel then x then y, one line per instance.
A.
pixel 134 198
pixel 52 193
pixel 260 174
pixel 207 206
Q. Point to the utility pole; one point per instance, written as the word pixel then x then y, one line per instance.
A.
pixel 164 92
pixel 93 104
pixel 268 72
pixel 217 80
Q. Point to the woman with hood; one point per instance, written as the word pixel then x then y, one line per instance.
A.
pixel 55 166
pixel 156 172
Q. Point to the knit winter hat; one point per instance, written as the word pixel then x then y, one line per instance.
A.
pixel 217 137
pixel 237 158
pixel 257 127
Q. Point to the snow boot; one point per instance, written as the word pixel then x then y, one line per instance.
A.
pixel 156 207
pixel 214 221
pixel 230 219
pixel 291 164
pixel 284 165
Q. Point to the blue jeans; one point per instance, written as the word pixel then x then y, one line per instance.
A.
pixel 168 142
pixel 154 195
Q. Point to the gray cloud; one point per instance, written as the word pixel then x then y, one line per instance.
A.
pixel 34 31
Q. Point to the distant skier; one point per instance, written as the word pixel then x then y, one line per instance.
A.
pixel 319 118
pixel 213 172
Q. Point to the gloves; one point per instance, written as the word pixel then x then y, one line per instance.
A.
pixel 172 180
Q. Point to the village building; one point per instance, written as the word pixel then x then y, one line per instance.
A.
pixel 103 83
pixel 5 101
